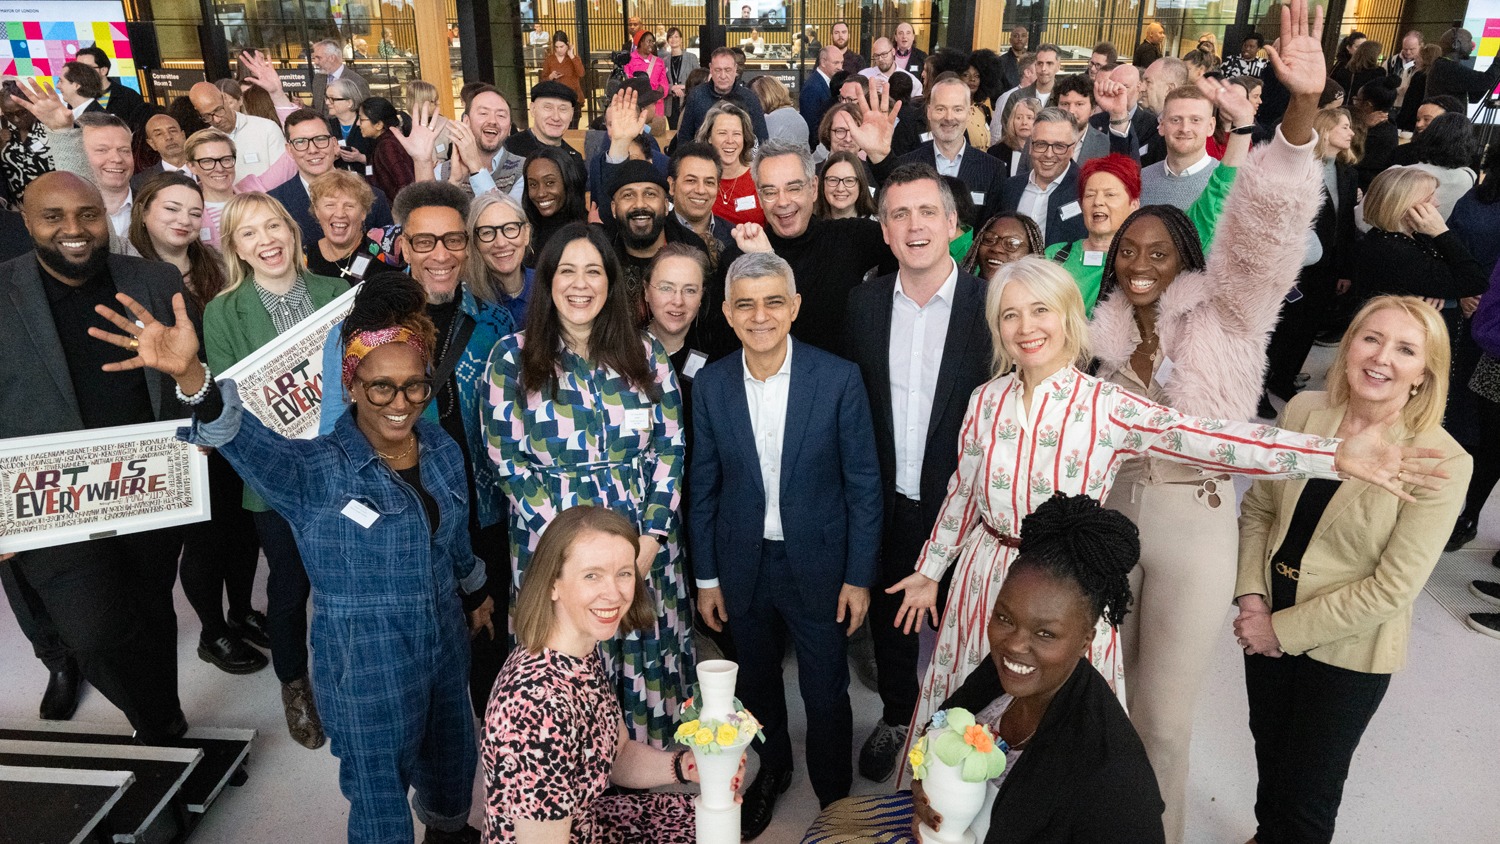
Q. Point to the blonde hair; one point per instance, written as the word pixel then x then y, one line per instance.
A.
pixel 534 612
pixel 206 136
pixel 341 182
pixel 1393 193
pixel 235 211
pixel 1423 411
pixel 1055 288
pixel 771 93
pixel 1325 121
pixel 420 91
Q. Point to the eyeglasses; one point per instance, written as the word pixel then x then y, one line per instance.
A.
pixel 1007 243
pixel 878 56
pixel 841 132
pixel 318 141
pixel 214 163
pixel 382 392
pixel 1058 148
pixel 340 100
pixel 670 291
pixel 487 233
pixel 211 116
pixel 424 243
pixel 770 194
pixel 847 182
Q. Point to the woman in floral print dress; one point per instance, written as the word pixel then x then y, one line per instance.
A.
pixel 1047 428
pixel 584 409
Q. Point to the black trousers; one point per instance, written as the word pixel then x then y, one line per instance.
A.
pixel 219 556
pixel 776 610
pixel 487 654
pixel 1297 329
pixel 1307 719
pixel 35 623
pixel 287 591
pixel 1486 457
pixel 896 652
pixel 110 601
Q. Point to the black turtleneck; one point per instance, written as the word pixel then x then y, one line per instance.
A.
pixel 105 399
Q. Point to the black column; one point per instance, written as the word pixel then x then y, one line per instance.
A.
pixel 474 35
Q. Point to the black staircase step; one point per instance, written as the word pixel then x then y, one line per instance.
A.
pixel 55 805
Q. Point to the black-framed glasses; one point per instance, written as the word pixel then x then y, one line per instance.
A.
pixel 424 243
pixel 211 116
pixel 1058 148
pixel 318 141
pixel 846 182
pixel 1007 243
pixel 485 234
pixel 226 162
pixel 340 100
pixel 381 392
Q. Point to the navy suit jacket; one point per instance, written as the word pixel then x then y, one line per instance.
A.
pixel 830 481
pixel 1059 230
pixel 814 101
pixel 294 196
pixel 984 174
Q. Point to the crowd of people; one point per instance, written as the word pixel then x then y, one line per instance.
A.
pixel 955 346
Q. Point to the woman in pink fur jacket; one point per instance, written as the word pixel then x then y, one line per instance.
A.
pixel 1192 334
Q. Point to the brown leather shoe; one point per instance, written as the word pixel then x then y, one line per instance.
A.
pixel 302 714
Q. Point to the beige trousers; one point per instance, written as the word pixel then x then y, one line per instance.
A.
pixel 1183 591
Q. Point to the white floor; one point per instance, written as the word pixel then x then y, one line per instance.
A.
pixel 1427 770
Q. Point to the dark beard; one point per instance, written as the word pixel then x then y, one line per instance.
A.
pixel 631 241
pixel 97 263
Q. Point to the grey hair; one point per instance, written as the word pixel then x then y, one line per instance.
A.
pixel 952 80
pixel 476 272
pixel 759 265
pixel 345 90
pixel 776 149
pixel 330 44
pixel 1053 114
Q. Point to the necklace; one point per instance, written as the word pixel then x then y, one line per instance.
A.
pixel 442 353
pixel 1006 746
pixel 402 455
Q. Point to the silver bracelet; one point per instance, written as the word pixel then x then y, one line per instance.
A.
pixel 197 398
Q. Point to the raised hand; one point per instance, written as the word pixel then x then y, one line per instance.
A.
pixel 876 125
pixel 1231 100
pixel 1369 457
pixel 43 105
pixel 1111 96
pixel 1297 55
pixel 170 349
pixel 258 69
pixel 751 237
pixel 426 124
pixel 466 148
pixel 624 120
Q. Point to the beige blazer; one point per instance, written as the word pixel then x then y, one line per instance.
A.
pixel 1370 554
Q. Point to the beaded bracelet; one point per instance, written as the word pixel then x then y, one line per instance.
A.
pixel 677 767
pixel 198 397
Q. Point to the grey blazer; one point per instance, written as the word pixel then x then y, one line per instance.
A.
pixel 36 391
pixel 689 64
pixel 320 87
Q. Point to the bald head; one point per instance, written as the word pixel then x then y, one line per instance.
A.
pixel 883 54
pixel 208 101
pixel 68 224
pixel 166 137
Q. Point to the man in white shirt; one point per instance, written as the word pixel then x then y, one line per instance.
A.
pixel 785 519
pixel 328 58
pixel 1048 191
pixel 922 345
pixel 883 64
pixel 1187 119
pixel 258 142
pixel 1045 68
pixel 106 142
pixel 1403 66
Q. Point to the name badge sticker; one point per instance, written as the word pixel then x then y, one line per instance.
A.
pixel 369 169
pixel 360 514
pixel 744 203
pixel 925 137
pixel 361 265
pixel 1092 258
pixel 252 158
pixel 638 419
pixel 205 234
pixel 1164 372
pixel 695 362
pixel 1069 211
pixel 976 197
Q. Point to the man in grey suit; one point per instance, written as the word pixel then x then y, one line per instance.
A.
pixel 109 600
pixel 328 58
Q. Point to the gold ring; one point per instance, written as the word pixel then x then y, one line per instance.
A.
pixel 135 343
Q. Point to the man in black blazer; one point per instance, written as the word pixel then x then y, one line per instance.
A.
pixel 908 57
pixel 816 95
pixel 124 103
pixel 109 599
pixel 164 135
pixel 922 345
pixel 948 150
pixel 1048 193
pixel 785 525
pixel 304 127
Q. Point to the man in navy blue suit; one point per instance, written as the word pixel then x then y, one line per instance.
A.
pixel 785 524
pixel 315 151
pixel 1048 191
pixel 816 94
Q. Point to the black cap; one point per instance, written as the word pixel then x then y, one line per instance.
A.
pixel 644 94
pixel 555 90
pixel 635 171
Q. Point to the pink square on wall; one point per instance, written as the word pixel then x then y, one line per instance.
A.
pixel 122 49
pixel 33 30
pixel 43 67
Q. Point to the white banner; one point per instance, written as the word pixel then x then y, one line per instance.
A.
pixel 282 381
pixel 92 484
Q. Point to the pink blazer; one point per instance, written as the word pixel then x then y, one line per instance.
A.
pixel 656 71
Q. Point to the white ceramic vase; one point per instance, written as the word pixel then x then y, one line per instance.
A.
pixel 717 815
pixel 956 801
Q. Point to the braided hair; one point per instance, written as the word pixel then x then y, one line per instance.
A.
pixel 1184 237
pixel 1034 242
pixel 1072 537
pixel 389 298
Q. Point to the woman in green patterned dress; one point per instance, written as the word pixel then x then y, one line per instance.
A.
pixel 583 408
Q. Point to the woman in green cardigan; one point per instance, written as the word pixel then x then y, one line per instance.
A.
pixel 269 290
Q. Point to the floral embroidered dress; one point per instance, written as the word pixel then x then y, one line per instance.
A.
pixel 601 442
pixel 1079 432
pixel 551 732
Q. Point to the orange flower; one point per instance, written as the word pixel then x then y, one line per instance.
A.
pixel 978 738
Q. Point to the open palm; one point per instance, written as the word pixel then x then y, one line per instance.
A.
pixel 171 349
pixel 1297 55
pixel 1370 457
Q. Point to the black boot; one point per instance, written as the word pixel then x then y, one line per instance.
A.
pixel 232 655
pixel 760 801
pixel 1463 533
pixel 250 626
pixel 60 700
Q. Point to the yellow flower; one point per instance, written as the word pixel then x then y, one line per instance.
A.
pixel 727 735
pixel 916 758
pixel 686 729
pixel 703 736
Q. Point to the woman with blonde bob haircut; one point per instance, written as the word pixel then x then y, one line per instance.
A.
pixel 1043 427
pixel 1328 573
pixel 554 736
pixel 1409 249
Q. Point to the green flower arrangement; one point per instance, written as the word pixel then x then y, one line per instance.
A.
pixel 960 743
pixel 713 736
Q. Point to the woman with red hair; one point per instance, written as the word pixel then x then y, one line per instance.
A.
pixel 1109 190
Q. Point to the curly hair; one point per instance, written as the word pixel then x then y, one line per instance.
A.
pixel 387 299
pixel 1073 537
pixel 1179 228
pixel 1448 141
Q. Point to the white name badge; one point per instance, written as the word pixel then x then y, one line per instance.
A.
pixel 1093 259
pixel 1069 211
pixel 369 169
pixel 926 136
pixel 1164 372
pixel 205 233
pixel 637 418
pixel 695 362
pixel 252 158
pixel 745 203
pixel 976 197
pixel 361 265
pixel 1142 151
pixel 360 514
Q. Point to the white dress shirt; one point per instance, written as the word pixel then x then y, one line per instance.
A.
pixel 1034 200
pixel 767 400
pixel 258 142
pixel 916 355
pixel 1192 169
pixel 119 221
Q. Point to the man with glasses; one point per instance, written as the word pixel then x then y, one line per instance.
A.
pixel 1048 193
pixel 922 345
pixel 328 58
pixel 314 151
pixel 883 65
pixel 1103 58
pixel 258 142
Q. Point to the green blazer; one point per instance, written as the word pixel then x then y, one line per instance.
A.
pixel 236 324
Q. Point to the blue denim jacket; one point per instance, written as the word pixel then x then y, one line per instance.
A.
pixel 491 322
pixel 326 486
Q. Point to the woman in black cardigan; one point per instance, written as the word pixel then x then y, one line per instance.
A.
pixel 1409 249
pixel 1372 106
pixel 1077 771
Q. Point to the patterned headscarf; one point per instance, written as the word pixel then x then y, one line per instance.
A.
pixel 365 342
